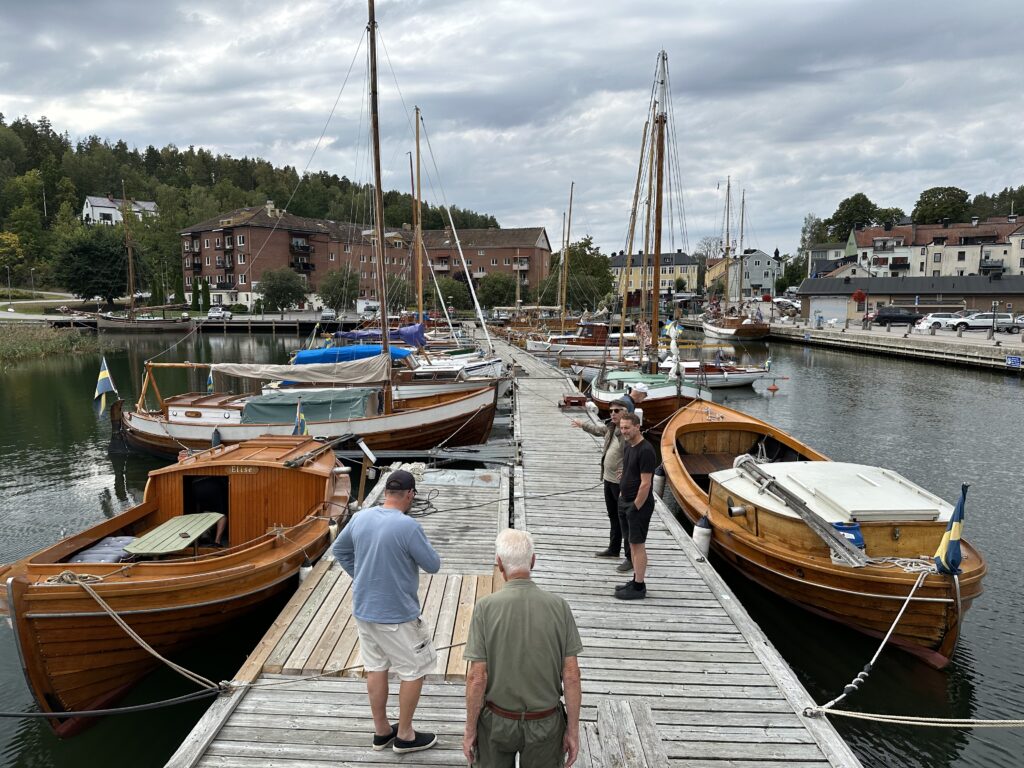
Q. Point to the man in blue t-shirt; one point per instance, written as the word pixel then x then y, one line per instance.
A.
pixel 382 549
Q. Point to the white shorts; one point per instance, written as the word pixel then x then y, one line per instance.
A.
pixel 406 648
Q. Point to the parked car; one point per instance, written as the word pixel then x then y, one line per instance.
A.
pixel 981 321
pixel 328 315
pixel 937 320
pixel 217 312
pixel 896 316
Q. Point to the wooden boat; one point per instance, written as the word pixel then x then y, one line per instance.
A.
pixel 757 527
pixel 365 410
pixel 134 323
pixel 740 328
pixel 589 339
pixel 665 395
pixel 171 589
pixel 716 375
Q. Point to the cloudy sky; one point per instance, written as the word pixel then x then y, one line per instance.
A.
pixel 801 102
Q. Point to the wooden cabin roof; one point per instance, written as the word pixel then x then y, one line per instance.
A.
pixel 268 450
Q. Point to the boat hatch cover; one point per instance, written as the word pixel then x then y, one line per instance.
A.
pixel 839 492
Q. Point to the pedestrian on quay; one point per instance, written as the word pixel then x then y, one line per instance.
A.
pixel 522 649
pixel 636 503
pixel 382 549
pixel 611 471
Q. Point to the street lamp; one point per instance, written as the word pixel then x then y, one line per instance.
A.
pixel 995 306
pixel 32 281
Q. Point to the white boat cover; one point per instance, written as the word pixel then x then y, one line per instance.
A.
pixel 371 370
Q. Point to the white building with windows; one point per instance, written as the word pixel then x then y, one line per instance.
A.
pixel 109 210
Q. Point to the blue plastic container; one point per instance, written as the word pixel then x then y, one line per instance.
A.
pixel 852 533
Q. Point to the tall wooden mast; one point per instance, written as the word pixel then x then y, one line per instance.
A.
pixel 728 254
pixel 659 123
pixel 565 257
pixel 418 226
pixel 743 211
pixel 131 255
pixel 627 266
pixel 378 194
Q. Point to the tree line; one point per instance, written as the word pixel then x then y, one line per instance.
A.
pixel 45 176
pixel 934 205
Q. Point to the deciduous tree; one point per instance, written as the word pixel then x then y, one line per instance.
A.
pixel 281 289
pixel 93 263
pixel 854 210
pixel 497 290
pixel 338 288
pixel 940 203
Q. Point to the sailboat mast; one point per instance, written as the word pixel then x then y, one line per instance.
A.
pixel 728 248
pixel 418 226
pixel 644 262
pixel 565 257
pixel 743 211
pixel 131 256
pixel 659 122
pixel 627 267
pixel 378 194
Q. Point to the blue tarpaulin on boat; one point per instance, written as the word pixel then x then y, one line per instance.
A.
pixel 346 353
pixel 414 335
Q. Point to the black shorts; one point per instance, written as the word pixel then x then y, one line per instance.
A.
pixel 635 522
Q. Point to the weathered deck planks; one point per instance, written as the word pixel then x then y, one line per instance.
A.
pixel 687 663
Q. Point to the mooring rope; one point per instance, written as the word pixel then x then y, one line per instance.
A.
pixel 85 581
pixel 862 676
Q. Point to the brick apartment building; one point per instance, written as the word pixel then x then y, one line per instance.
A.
pixel 234 249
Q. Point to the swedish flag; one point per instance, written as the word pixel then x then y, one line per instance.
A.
pixel 947 556
pixel 209 383
pixel 104 386
pixel 300 421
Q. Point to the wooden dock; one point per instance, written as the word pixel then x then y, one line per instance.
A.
pixel 683 678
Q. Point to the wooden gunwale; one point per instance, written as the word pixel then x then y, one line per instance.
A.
pixel 866 599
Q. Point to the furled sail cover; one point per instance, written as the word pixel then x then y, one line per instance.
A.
pixel 371 370
pixel 348 352
pixel 327 405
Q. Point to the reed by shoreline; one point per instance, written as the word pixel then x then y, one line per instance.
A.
pixel 20 341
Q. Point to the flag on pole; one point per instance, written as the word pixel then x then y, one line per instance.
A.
pixel 947 556
pixel 300 421
pixel 209 383
pixel 104 386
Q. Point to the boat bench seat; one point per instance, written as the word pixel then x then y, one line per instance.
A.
pixel 706 463
pixel 108 550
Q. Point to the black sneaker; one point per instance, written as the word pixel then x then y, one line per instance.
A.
pixel 638 592
pixel 420 742
pixel 625 566
pixel 383 742
pixel 607 553
pixel 628 585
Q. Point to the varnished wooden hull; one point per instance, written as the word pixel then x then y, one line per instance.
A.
pixel 732 329
pixel 417 423
pixel 784 557
pixel 144 325
pixel 76 658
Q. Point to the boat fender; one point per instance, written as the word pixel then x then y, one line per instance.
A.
pixel 215 438
pixel 591 406
pixel 659 481
pixel 639 414
pixel 304 571
pixel 333 528
pixel 702 535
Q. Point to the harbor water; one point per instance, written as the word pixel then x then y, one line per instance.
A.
pixel 938 426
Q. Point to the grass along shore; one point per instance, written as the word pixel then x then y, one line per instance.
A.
pixel 22 341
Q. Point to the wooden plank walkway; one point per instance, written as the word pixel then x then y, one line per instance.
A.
pixel 687 662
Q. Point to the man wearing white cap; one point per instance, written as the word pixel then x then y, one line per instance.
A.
pixel 637 394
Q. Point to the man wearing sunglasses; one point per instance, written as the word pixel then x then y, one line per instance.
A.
pixel 611 472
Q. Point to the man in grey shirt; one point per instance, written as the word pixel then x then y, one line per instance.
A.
pixel 382 549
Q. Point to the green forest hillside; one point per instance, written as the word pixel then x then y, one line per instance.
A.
pixel 44 178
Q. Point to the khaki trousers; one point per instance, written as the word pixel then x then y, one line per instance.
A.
pixel 537 742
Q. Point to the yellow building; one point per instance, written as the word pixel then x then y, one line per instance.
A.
pixel 674 266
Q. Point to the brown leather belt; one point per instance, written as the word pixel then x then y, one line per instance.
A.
pixel 519 715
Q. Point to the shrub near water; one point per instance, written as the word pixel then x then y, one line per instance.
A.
pixel 20 342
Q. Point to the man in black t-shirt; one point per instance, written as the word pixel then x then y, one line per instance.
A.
pixel 636 502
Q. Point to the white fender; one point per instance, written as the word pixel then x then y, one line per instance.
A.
pixel 702 535
pixel 659 481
